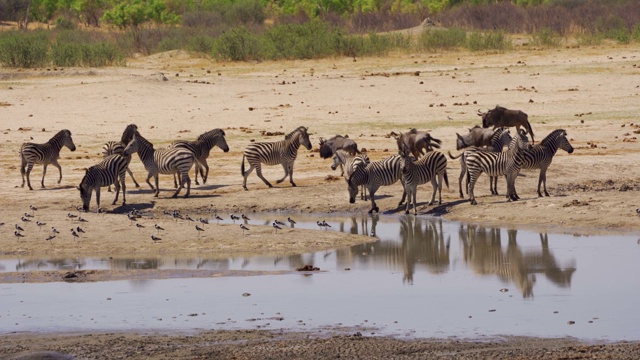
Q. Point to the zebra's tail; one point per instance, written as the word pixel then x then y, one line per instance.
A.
pixel 530 132
pixel 446 178
pixel 454 157
pixel 23 163
pixel 242 167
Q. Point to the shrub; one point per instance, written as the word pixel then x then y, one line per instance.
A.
pixel 546 37
pixel 238 44
pixel 313 39
pixel 442 38
pixel 24 49
pixel 78 48
pixel 488 41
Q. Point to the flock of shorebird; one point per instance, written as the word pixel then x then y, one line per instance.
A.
pixel 134 216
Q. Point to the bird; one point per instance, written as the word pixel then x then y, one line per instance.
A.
pixel 155 238
pixel 279 223
pixel 82 220
pixel 275 226
pixel 131 217
pixel 638 210
pixel 17 234
pixel 204 221
pixel 33 208
pixel 27 215
pixel 176 215
pixel 324 223
pixel 80 230
pixel 24 219
pixel 40 223
pixel 199 229
pixel 188 218
pixel 234 218
pixel 139 226
pixel 291 221
pixel 243 228
pixel 158 228
pixel 71 216
pixel 54 230
pixel 50 238
pixel 218 217
pixel 245 218
pixel 319 224
pixel 80 209
pixel 102 210
pixel 74 233
pixel 19 228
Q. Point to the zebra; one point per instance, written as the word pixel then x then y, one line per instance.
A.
pixel 45 154
pixel 418 172
pixel 497 164
pixel 351 162
pixel 378 173
pixel 201 148
pixel 500 138
pixel 163 161
pixel 111 170
pixel 283 152
pixel 117 147
pixel 541 155
pixel 329 147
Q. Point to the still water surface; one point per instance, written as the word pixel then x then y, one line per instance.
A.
pixel 419 277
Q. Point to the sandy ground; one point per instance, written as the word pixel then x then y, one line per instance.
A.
pixel 592 92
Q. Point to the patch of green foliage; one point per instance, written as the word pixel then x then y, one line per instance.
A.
pixel 495 40
pixel 22 49
pixel 546 37
pixel 431 39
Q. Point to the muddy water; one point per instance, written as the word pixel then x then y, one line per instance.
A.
pixel 418 277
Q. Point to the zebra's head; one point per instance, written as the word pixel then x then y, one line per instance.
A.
pixel 521 141
pixel 353 183
pixel 128 133
pixel 132 146
pixel 564 144
pixel 67 140
pixel 86 190
pixel 304 138
pixel 222 142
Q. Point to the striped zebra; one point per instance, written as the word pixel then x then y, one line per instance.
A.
pixel 45 154
pixel 201 148
pixel 282 152
pixel 351 162
pixel 500 138
pixel 418 172
pixel 541 155
pixel 378 173
pixel 162 161
pixel 497 164
pixel 117 147
pixel 111 170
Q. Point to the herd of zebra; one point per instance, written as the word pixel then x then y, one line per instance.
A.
pixel 416 163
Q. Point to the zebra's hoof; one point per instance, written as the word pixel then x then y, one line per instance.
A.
pixel 406 212
pixel 137 185
pixel 279 181
pixel 197 183
pixel 293 185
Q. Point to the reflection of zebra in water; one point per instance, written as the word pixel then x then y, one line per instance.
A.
pixel 499 139
pixel 419 172
pixel 109 171
pixel 45 154
pixel 351 162
pixel 201 148
pixel 117 147
pixel 378 173
pixel 541 155
pixel 497 164
pixel 162 161
pixel 282 152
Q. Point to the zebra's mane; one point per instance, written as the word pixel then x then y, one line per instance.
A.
pixel 83 191
pixel 552 136
pixel 60 134
pixel 299 129
pixel 127 135
pixel 143 141
pixel 214 132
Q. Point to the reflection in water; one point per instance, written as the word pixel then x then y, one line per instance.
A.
pixel 484 253
pixel 409 244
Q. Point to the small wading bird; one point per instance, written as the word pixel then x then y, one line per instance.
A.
pixel 54 230
pixel 199 229
pixel 234 218
pixel 291 221
pixel 74 233
pixel 19 228
pixel 82 220
pixel 245 218
pixel 320 225
pixel 155 238
pixel 24 219
pixel 27 215
pixel 188 218
pixel 50 238
pixel 204 221
pixel 33 208
pixel 17 234
pixel 139 226
pixel 71 216
pixel 324 223
pixel 275 226
pixel 80 230
pixel 243 228
pixel 131 217
pixel 158 228
pixel 218 218
pixel 40 223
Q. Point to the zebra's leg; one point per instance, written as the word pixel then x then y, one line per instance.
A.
pixel 205 176
pixel 434 183
pixel 245 174
pixel 181 179
pixel 44 172
pixel 55 163
pixel 124 190
pixel 440 179
pixel 116 187
pixel 363 193
pixel 187 179
pixel 175 181
pixel 132 178
pixel 29 168
pixel 463 172
pixel 286 173
pixel 149 182
pixel 542 179
pixel 259 173
pixel 374 207
pixel 157 181
pixel 473 177
pixel 291 176
pixel 414 194
pixel 22 169
pixel 97 189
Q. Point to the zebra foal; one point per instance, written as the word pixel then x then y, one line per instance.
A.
pixel 111 170
pixel 418 172
pixel 283 152
pixel 45 154
pixel 378 173
pixel 162 161
pixel 201 148
pixel 541 155
pixel 350 162
pixel 497 164
pixel 117 147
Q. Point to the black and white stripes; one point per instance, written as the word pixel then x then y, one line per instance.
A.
pixel 414 173
pixel 282 152
pixel 201 148
pixel 117 147
pixel 45 154
pixel 162 161
pixel 378 173
pixel 109 171
pixel 541 155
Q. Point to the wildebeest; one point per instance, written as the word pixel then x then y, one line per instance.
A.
pixel 329 147
pixel 477 136
pixel 417 141
pixel 500 116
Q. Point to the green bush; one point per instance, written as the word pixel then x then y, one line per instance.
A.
pixel 78 48
pixel 635 33
pixel 442 38
pixel 546 37
pixel 590 39
pixel 238 44
pixel 313 39
pixel 488 41
pixel 24 49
